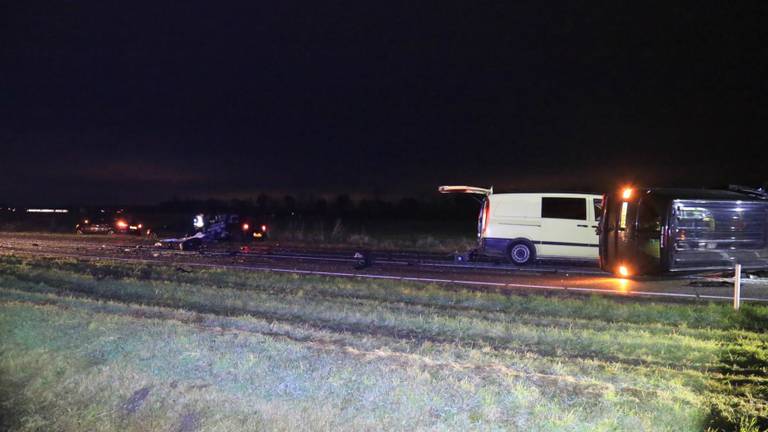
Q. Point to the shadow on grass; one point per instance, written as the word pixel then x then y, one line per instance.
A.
pixel 10 414
pixel 741 401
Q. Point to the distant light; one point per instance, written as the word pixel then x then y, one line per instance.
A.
pixel 86 221
pixel 264 228
pixel 627 193
pixel 246 227
pixel 623 271
pixel 140 226
pixel 47 211
pixel 122 224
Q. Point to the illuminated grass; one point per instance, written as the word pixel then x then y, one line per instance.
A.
pixel 126 347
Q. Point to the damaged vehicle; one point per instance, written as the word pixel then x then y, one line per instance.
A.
pixel 219 227
pixel 657 230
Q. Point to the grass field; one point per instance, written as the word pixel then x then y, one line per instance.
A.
pixel 108 346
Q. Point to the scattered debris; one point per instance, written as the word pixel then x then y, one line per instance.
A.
pixel 362 260
pixel 136 400
pixel 462 257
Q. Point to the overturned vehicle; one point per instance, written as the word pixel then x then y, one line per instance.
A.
pixel 652 231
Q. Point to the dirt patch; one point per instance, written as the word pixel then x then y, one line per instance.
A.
pixel 136 400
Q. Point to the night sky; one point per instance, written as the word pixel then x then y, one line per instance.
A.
pixel 106 102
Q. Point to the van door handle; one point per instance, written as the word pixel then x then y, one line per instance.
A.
pixel 582 226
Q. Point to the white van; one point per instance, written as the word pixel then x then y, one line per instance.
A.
pixel 526 226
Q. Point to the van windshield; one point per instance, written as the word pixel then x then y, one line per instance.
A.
pixel 648 218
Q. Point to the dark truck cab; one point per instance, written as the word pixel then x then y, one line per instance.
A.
pixel 652 231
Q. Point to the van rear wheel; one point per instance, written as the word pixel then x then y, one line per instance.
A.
pixel 522 253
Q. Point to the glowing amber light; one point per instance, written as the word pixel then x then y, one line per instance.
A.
pixel 627 193
pixel 623 270
pixel 122 224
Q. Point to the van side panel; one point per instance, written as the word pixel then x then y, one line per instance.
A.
pixel 514 217
pixel 569 235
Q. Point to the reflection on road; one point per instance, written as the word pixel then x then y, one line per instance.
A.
pixel 620 285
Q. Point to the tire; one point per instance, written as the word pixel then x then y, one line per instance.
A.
pixel 521 253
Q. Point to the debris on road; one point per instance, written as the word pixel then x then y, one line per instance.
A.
pixel 362 260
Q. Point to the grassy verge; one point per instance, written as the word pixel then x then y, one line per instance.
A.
pixel 114 346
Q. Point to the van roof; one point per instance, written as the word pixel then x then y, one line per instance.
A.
pixel 550 194
pixel 497 191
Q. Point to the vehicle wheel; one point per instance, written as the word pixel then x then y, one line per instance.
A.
pixel 522 253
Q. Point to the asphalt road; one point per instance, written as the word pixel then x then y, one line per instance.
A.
pixel 553 277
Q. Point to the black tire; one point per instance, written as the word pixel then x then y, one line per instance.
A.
pixel 521 253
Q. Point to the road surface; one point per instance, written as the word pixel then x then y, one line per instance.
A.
pixel 553 277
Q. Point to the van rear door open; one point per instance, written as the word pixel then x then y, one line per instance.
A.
pixel 465 189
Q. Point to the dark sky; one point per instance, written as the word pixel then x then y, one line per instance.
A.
pixel 121 102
